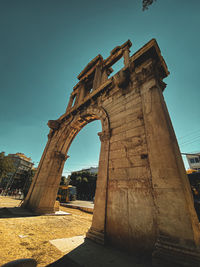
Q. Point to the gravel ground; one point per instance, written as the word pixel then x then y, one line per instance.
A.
pixel 28 237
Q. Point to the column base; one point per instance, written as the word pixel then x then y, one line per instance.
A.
pixel 40 211
pixel 168 254
pixel 44 210
pixel 96 236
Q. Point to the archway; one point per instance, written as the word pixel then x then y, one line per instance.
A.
pixel 53 159
pixel 143 199
pixel 81 168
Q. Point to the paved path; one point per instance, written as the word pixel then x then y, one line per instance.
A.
pixel 87 206
pixel 8 201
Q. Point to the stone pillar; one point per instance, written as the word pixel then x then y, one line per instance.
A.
pixel 49 188
pixel 27 199
pixel 97 76
pixel 46 183
pixel 70 103
pixel 97 230
pixel 177 224
pixel 126 57
pixel 105 73
pixel 81 92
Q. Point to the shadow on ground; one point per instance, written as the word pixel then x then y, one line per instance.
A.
pixel 15 212
pixel 90 254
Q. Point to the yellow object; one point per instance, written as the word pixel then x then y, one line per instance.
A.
pixel 66 193
pixel 189 171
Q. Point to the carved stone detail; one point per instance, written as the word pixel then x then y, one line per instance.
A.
pixel 123 78
pixel 59 155
pixel 96 236
pixel 53 124
pixel 104 136
pixel 171 254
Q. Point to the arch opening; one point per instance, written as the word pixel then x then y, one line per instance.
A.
pixel 81 168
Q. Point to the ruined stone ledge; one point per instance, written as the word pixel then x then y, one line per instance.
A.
pixel 96 236
pixel 75 109
pixel 169 254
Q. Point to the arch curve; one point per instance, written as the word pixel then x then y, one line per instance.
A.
pixel 69 131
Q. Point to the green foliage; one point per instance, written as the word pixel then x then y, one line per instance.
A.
pixel 85 179
pixel 25 181
pixel 146 4
pixel 79 179
pixel 64 181
pixel 85 183
pixel 6 165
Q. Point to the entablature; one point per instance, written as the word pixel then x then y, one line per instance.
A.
pixel 94 79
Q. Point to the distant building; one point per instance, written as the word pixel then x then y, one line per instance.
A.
pixel 91 170
pixel 194 161
pixel 21 163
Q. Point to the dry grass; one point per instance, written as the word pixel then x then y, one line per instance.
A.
pixel 36 232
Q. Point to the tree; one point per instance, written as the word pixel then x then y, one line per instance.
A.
pixel 146 4
pixel 85 183
pixel 6 165
pixel 64 180
pixel 25 180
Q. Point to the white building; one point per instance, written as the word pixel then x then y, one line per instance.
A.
pixel 194 161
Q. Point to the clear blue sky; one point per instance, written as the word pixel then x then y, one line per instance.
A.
pixel 44 45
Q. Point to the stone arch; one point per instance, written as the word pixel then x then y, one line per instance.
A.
pixel 143 201
pixel 55 155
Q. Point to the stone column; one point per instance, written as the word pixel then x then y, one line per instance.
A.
pixel 81 92
pixel 27 199
pixel 42 194
pixel 177 224
pixel 49 186
pixel 97 230
pixel 97 76
pixel 126 56
pixel 70 103
pixel 105 73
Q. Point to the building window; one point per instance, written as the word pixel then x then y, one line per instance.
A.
pixel 194 160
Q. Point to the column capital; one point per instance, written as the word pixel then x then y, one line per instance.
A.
pixel 126 56
pixel 105 135
pixel 53 124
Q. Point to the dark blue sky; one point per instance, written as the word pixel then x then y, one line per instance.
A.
pixel 45 44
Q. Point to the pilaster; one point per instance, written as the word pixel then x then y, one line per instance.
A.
pixel 177 224
pixel 97 230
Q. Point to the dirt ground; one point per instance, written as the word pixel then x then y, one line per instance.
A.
pixel 28 237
